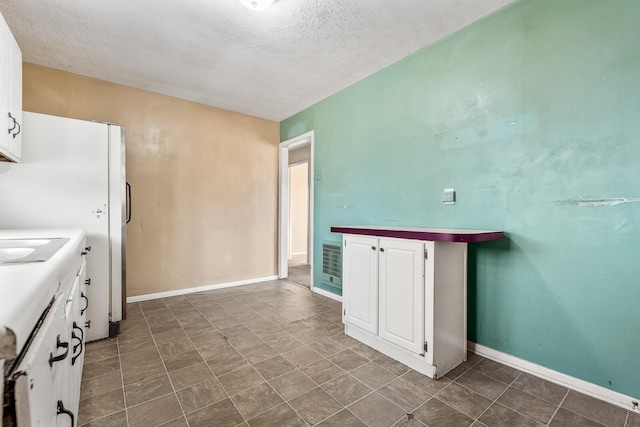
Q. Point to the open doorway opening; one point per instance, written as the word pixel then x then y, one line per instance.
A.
pixel 295 222
pixel 299 268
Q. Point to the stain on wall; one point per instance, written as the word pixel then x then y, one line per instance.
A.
pixel 532 116
pixel 204 180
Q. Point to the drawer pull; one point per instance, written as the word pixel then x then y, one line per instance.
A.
pixel 82 310
pixel 59 344
pixel 63 410
pixel 80 342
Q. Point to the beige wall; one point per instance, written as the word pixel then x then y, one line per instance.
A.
pixel 204 180
pixel 298 207
pixel 300 154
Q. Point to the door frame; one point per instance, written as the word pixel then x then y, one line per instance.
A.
pixel 283 202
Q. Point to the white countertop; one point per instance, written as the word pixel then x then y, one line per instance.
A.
pixel 27 289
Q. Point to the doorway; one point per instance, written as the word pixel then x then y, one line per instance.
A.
pixel 295 223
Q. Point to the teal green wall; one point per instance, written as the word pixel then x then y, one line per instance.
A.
pixel 527 114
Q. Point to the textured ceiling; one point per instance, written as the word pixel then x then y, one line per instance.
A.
pixel 269 64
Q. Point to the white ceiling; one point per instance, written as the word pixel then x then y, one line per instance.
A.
pixel 269 64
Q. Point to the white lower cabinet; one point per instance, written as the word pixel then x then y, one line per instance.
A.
pixel 407 299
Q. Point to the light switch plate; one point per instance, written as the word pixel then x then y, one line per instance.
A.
pixel 448 196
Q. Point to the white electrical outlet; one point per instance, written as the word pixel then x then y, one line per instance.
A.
pixel 448 196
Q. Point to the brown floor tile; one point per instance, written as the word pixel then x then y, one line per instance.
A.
pixel 347 360
pixel 497 370
pixel 373 375
pixel 154 412
pixel 634 420
pixel 540 388
pixel 100 384
pixel 241 379
pixel 346 389
pixel 191 375
pixel 482 384
pixel 118 419
pixel 594 409
pixel 527 405
pixel 100 350
pixel 464 400
pixel 135 345
pixel 500 416
pixel 207 338
pixel 274 367
pixel 135 358
pixel 201 395
pixel 170 336
pixel 425 383
pixel 302 356
pixel 322 371
pixel 256 400
pixel 146 390
pixel 326 347
pixel 376 411
pixel 100 367
pixel 284 344
pixel 179 361
pixel 181 345
pixel 365 351
pixel 178 422
pixel 292 384
pixel 564 418
pixel 280 416
pixel 434 413
pixel 143 372
pixel 456 372
pixel 220 414
pixel 315 405
pixel 404 394
pixel 100 406
pixel 258 353
pixel 393 366
pixel 344 418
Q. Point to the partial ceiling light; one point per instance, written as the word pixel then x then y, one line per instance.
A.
pixel 257 4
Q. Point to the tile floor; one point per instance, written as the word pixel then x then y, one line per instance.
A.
pixel 299 271
pixel 274 354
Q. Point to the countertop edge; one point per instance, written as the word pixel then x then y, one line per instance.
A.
pixel 445 235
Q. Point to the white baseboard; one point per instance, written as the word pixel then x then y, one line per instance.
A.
pixel 585 387
pixel 146 297
pixel 326 293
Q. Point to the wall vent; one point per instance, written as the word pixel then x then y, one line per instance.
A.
pixel 332 264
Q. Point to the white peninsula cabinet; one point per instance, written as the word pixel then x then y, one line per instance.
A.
pixel 404 292
pixel 10 95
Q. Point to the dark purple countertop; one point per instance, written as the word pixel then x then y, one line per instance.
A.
pixel 416 233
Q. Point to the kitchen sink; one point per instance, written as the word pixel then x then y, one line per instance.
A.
pixel 11 254
pixel 22 243
pixel 19 251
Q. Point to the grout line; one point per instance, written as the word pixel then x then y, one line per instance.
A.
pixel 566 394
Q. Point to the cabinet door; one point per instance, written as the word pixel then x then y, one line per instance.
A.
pixel 360 282
pixel 5 88
pixel 41 369
pixel 15 106
pixel 402 293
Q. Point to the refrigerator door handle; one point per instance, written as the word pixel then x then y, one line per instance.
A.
pixel 128 203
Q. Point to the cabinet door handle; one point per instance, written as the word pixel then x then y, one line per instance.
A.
pixel 80 342
pixel 381 249
pixel 14 124
pixel 82 310
pixel 63 410
pixel 19 128
pixel 59 344
pixel 373 248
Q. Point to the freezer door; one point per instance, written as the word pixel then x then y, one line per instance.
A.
pixel 63 182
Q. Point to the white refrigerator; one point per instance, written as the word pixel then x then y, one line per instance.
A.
pixel 72 175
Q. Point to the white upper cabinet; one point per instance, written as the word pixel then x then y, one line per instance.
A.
pixel 10 95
